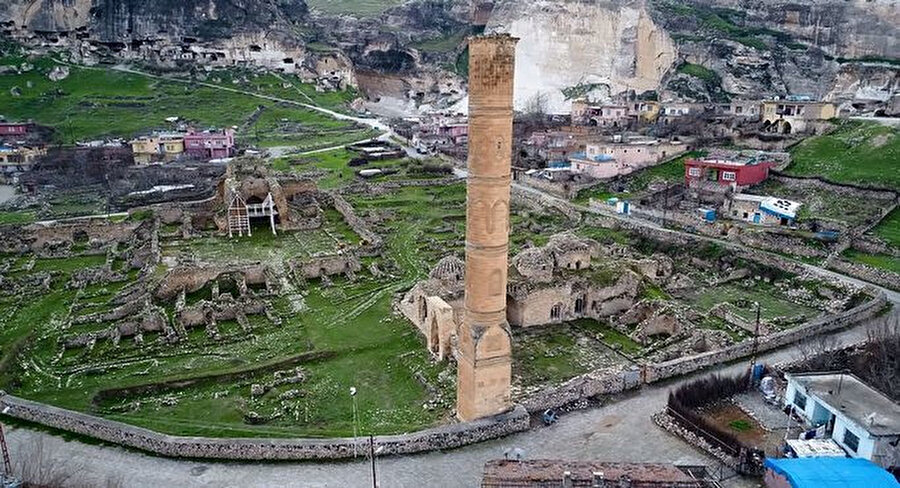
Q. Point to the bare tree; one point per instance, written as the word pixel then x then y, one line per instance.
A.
pixel 880 364
pixel 818 353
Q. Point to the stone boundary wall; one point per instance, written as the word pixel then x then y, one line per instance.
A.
pixel 877 192
pixel 599 382
pixel 659 371
pixel 864 272
pixel 615 380
pixel 250 449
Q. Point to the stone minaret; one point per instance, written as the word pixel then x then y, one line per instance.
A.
pixel 484 354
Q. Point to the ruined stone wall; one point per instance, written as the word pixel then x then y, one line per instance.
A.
pixel 609 381
pixel 40 237
pixel 327 266
pixel 354 221
pixel 680 366
pixel 443 437
pixel 539 201
pixel 868 273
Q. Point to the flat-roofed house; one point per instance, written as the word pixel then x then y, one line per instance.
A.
pixel 762 210
pixel 862 420
pixel 726 172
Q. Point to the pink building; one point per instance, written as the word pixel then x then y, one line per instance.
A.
pixel 726 172
pixel 13 129
pixel 209 145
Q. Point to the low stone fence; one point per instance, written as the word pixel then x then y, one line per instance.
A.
pixel 867 273
pixel 676 367
pixel 599 382
pixel 443 437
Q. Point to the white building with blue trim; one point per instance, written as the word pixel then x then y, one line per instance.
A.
pixel 862 420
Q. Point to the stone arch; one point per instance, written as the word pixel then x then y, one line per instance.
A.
pixel 786 127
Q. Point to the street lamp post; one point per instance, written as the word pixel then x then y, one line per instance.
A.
pixel 355 418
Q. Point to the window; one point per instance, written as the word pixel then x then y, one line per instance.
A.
pixel 556 311
pixel 694 171
pixel 728 175
pixel 800 400
pixel 851 440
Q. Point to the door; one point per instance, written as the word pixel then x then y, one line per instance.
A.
pixel 756 217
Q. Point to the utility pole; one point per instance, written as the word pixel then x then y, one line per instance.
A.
pixel 372 455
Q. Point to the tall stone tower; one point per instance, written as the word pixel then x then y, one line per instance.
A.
pixel 484 354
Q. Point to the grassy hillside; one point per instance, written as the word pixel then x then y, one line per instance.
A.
pixel 856 152
pixel 94 103
pixel 359 8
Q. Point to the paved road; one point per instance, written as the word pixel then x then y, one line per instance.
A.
pixel 619 431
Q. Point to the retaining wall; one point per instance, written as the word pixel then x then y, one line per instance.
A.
pixel 444 437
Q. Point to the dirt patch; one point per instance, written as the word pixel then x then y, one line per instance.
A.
pixel 881 140
pixel 730 418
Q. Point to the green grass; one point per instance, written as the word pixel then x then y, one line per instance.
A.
pixel 358 8
pixel 771 305
pixel 17 217
pixel 376 351
pixel 855 152
pixel 889 229
pixel 740 425
pixel 701 72
pixel 83 106
pixel 882 261
pixel 442 44
pixel 611 337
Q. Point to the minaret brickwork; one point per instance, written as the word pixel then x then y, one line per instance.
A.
pixel 484 351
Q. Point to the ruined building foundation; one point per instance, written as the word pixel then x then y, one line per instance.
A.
pixel 484 351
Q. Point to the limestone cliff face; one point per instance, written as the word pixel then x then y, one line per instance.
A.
pixel 47 15
pixel 841 28
pixel 613 44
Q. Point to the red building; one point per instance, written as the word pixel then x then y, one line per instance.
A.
pixel 209 145
pixel 726 172
pixel 13 128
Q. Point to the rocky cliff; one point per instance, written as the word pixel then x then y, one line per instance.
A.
pixel 413 55
pixel 571 48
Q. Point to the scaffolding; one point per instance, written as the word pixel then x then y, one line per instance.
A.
pixel 240 212
pixel 238 217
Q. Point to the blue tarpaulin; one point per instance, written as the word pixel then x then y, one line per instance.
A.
pixel 832 472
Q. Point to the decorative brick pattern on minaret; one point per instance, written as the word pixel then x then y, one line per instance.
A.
pixel 484 354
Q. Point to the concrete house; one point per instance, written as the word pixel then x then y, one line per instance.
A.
pixel 862 420
pixel 726 172
pixel 761 210
pixel 794 114
pixel 157 148
pixel 620 157
pixel 209 144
